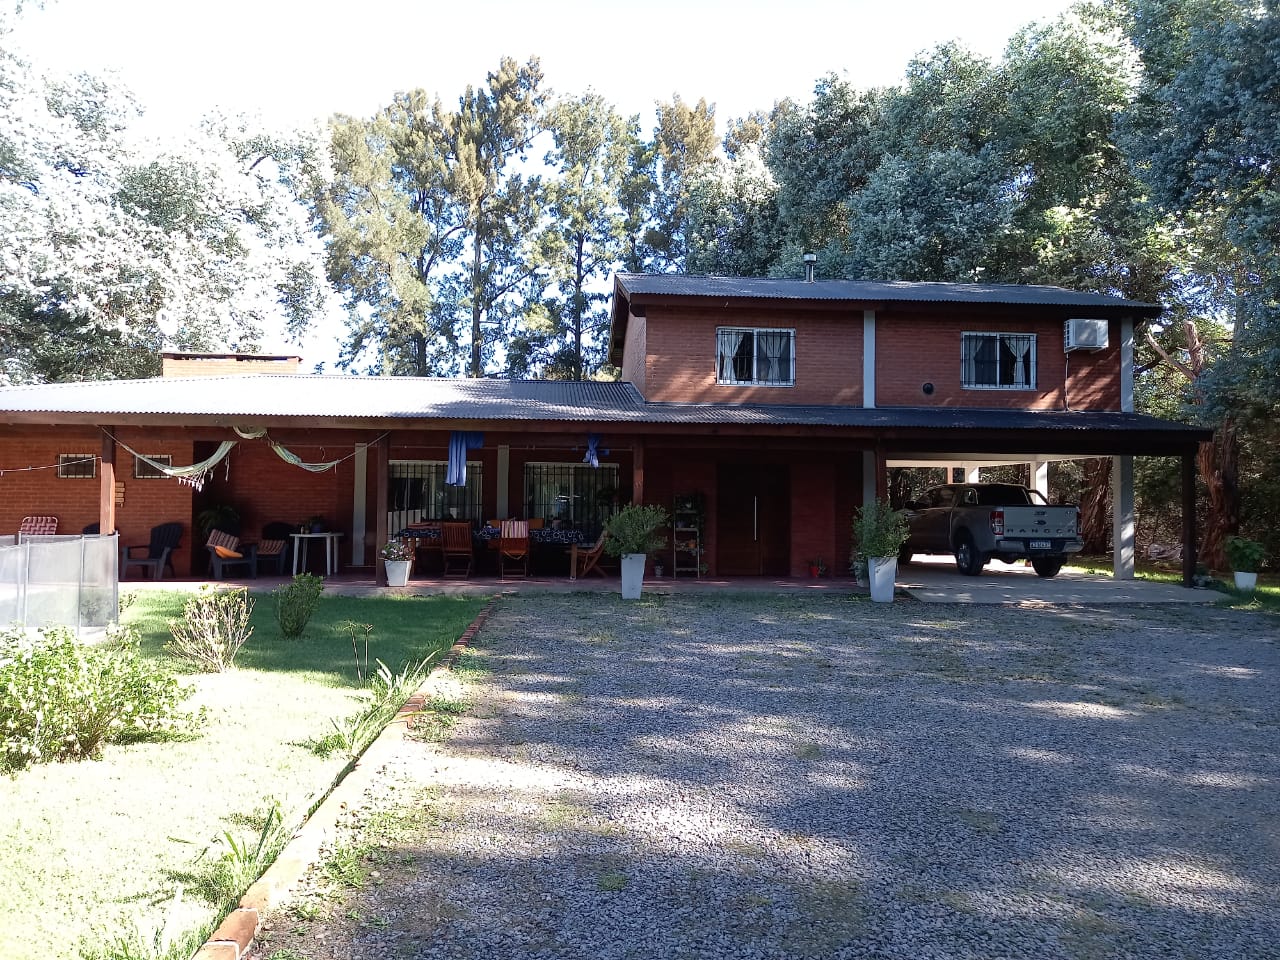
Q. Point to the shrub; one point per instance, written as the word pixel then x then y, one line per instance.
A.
pixel 296 602
pixel 634 529
pixel 878 531
pixel 61 699
pixel 1244 555
pixel 213 628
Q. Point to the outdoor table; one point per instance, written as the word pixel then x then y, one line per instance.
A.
pixel 330 538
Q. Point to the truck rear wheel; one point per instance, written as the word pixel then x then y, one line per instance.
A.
pixel 1047 566
pixel 969 560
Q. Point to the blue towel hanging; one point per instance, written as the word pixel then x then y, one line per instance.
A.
pixel 459 442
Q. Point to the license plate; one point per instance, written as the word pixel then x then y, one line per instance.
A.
pixel 1040 544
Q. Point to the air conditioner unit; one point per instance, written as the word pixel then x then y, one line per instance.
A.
pixel 1083 334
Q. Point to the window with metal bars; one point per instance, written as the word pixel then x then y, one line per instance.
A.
pixel 753 356
pixel 998 361
pixel 417 491
pixel 145 471
pixel 571 495
pixel 77 466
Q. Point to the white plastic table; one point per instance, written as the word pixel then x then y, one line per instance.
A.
pixel 300 543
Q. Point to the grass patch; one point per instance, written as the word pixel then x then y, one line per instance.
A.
pixel 97 846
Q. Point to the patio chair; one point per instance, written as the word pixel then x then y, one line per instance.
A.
pixel 37 527
pixel 165 538
pixel 275 545
pixel 226 551
pixel 91 530
pixel 584 560
pixel 455 543
pixel 513 547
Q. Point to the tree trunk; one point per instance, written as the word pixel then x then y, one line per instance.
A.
pixel 1218 462
pixel 1094 528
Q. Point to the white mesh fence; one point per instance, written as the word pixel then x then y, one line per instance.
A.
pixel 49 580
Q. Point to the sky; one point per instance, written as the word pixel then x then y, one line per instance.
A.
pixel 295 62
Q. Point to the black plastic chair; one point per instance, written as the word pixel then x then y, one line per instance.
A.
pixel 164 540
pixel 275 545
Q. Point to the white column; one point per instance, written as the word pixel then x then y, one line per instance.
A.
pixel 1040 477
pixel 1122 530
pixel 868 476
pixel 504 485
pixel 359 489
pixel 869 359
pixel 1126 365
pixel 972 473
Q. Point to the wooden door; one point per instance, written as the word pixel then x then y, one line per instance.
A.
pixel 753 520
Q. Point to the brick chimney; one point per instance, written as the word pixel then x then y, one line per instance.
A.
pixel 176 364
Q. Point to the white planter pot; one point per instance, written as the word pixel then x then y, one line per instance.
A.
pixel 1246 581
pixel 883 572
pixel 632 575
pixel 397 572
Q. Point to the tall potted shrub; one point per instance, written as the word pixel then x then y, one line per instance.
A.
pixel 633 535
pixel 1245 557
pixel 878 534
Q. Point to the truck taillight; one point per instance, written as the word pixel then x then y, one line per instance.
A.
pixel 997 522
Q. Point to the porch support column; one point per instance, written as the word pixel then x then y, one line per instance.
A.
pixel 359 502
pixel 382 476
pixel 107 484
pixel 972 473
pixel 869 465
pixel 1122 523
pixel 503 506
pixel 1040 477
pixel 882 475
pixel 1189 517
pixel 637 472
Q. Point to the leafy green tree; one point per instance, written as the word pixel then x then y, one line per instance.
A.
pixel 586 204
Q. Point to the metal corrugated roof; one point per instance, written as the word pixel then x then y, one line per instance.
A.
pixel 343 398
pixel 764 288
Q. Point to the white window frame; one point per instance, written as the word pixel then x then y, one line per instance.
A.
pixel 967 367
pixel 144 471
pixel 722 367
pixel 71 466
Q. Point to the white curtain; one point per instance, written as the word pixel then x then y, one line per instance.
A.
pixel 1020 347
pixel 773 345
pixel 730 341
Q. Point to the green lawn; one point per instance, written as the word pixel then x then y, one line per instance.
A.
pixel 1266 597
pixel 98 846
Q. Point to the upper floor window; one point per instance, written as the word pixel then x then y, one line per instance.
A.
pixel 752 356
pixel 998 361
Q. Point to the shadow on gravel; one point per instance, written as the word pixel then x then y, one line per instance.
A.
pixel 815 776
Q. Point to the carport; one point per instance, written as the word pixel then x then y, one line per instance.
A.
pixel 967 440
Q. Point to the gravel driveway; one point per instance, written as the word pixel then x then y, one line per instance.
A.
pixel 759 776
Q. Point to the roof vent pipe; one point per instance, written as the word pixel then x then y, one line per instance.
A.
pixel 809 260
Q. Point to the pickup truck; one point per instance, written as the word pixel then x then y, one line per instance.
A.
pixel 978 521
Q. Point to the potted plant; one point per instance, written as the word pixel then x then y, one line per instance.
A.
pixel 879 532
pixel 632 534
pixel 398 557
pixel 1245 557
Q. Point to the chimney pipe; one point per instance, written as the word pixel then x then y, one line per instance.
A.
pixel 809 260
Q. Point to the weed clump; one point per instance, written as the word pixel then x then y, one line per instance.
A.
pixel 296 602
pixel 213 628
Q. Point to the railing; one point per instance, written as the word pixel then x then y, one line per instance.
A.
pixel 71 580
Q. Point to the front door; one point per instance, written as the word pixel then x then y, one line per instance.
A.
pixel 753 520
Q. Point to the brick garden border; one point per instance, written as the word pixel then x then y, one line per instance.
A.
pixel 235 935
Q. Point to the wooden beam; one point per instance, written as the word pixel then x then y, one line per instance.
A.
pixel 107 483
pixel 637 472
pixel 1189 517
pixel 382 474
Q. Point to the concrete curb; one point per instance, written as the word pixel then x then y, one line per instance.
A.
pixel 235 935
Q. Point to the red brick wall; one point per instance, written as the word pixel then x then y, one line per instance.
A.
pixel 75 502
pixel 220 366
pixel 634 351
pixel 681 362
pixel 913 350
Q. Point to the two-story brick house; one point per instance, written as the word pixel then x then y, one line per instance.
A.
pixel 777 404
